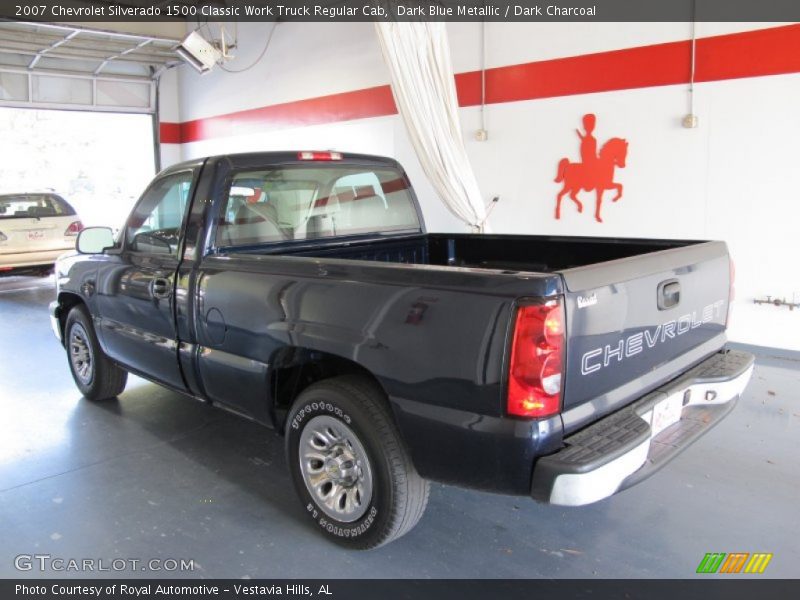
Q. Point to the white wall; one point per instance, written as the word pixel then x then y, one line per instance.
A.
pixel 170 112
pixel 732 178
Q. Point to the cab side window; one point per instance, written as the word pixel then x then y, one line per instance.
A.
pixel 155 225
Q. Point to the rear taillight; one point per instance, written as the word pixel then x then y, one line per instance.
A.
pixel 74 228
pixel 319 156
pixel 537 356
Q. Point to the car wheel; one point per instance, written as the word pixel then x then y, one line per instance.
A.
pixel 349 465
pixel 95 375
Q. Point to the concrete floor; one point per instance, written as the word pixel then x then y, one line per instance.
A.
pixel 157 475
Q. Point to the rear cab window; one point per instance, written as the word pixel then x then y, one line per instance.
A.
pixel 26 206
pixel 288 203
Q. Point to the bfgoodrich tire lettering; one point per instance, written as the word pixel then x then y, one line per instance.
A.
pixel 95 375
pixel 356 437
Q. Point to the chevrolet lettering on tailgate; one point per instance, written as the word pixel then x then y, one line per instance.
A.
pixel 602 357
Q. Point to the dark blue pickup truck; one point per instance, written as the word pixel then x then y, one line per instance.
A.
pixel 301 290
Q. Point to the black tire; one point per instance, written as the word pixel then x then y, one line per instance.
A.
pixel 98 378
pixel 398 494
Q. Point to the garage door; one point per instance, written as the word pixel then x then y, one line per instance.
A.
pixel 45 65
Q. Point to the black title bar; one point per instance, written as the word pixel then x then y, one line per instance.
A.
pixel 401 10
pixel 734 588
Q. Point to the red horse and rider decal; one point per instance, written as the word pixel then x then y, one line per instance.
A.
pixel 594 172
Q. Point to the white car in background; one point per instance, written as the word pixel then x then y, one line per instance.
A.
pixel 35 229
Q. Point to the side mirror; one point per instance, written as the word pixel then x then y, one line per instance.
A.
pixel 147 241
pixel 93 240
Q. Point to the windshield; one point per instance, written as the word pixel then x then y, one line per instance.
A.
pixel 298 203
pixel 33 205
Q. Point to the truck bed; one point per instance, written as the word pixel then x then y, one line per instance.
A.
pixel 542 254
pixel 621 342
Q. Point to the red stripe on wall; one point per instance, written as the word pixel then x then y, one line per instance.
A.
pixel 647 66
pixel 360 104
pixel 169 133
pixel 772 51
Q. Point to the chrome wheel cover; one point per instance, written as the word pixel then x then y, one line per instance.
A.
pixel 80 354
pixel 335 468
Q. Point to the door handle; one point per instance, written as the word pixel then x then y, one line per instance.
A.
pixel 160 287
pixel 669 294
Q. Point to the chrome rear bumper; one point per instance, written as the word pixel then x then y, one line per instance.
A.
pixel 627 446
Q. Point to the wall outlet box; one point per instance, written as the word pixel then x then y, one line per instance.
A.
pixel 690 121
pixel 481 135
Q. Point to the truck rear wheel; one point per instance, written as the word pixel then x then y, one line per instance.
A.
pixel 349 465
pixel 95 375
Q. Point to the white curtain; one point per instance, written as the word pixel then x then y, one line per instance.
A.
pixel 418 57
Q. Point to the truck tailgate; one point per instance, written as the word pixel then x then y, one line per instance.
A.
pixel 637 322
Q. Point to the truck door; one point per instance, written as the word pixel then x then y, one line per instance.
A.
pixel 136 287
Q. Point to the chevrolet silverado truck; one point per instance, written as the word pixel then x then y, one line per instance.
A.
pixel 302 291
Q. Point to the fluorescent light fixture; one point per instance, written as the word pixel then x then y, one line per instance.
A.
pixel 198 53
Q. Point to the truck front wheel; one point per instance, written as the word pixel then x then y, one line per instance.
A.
pixel 349 465
pixel 95 375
